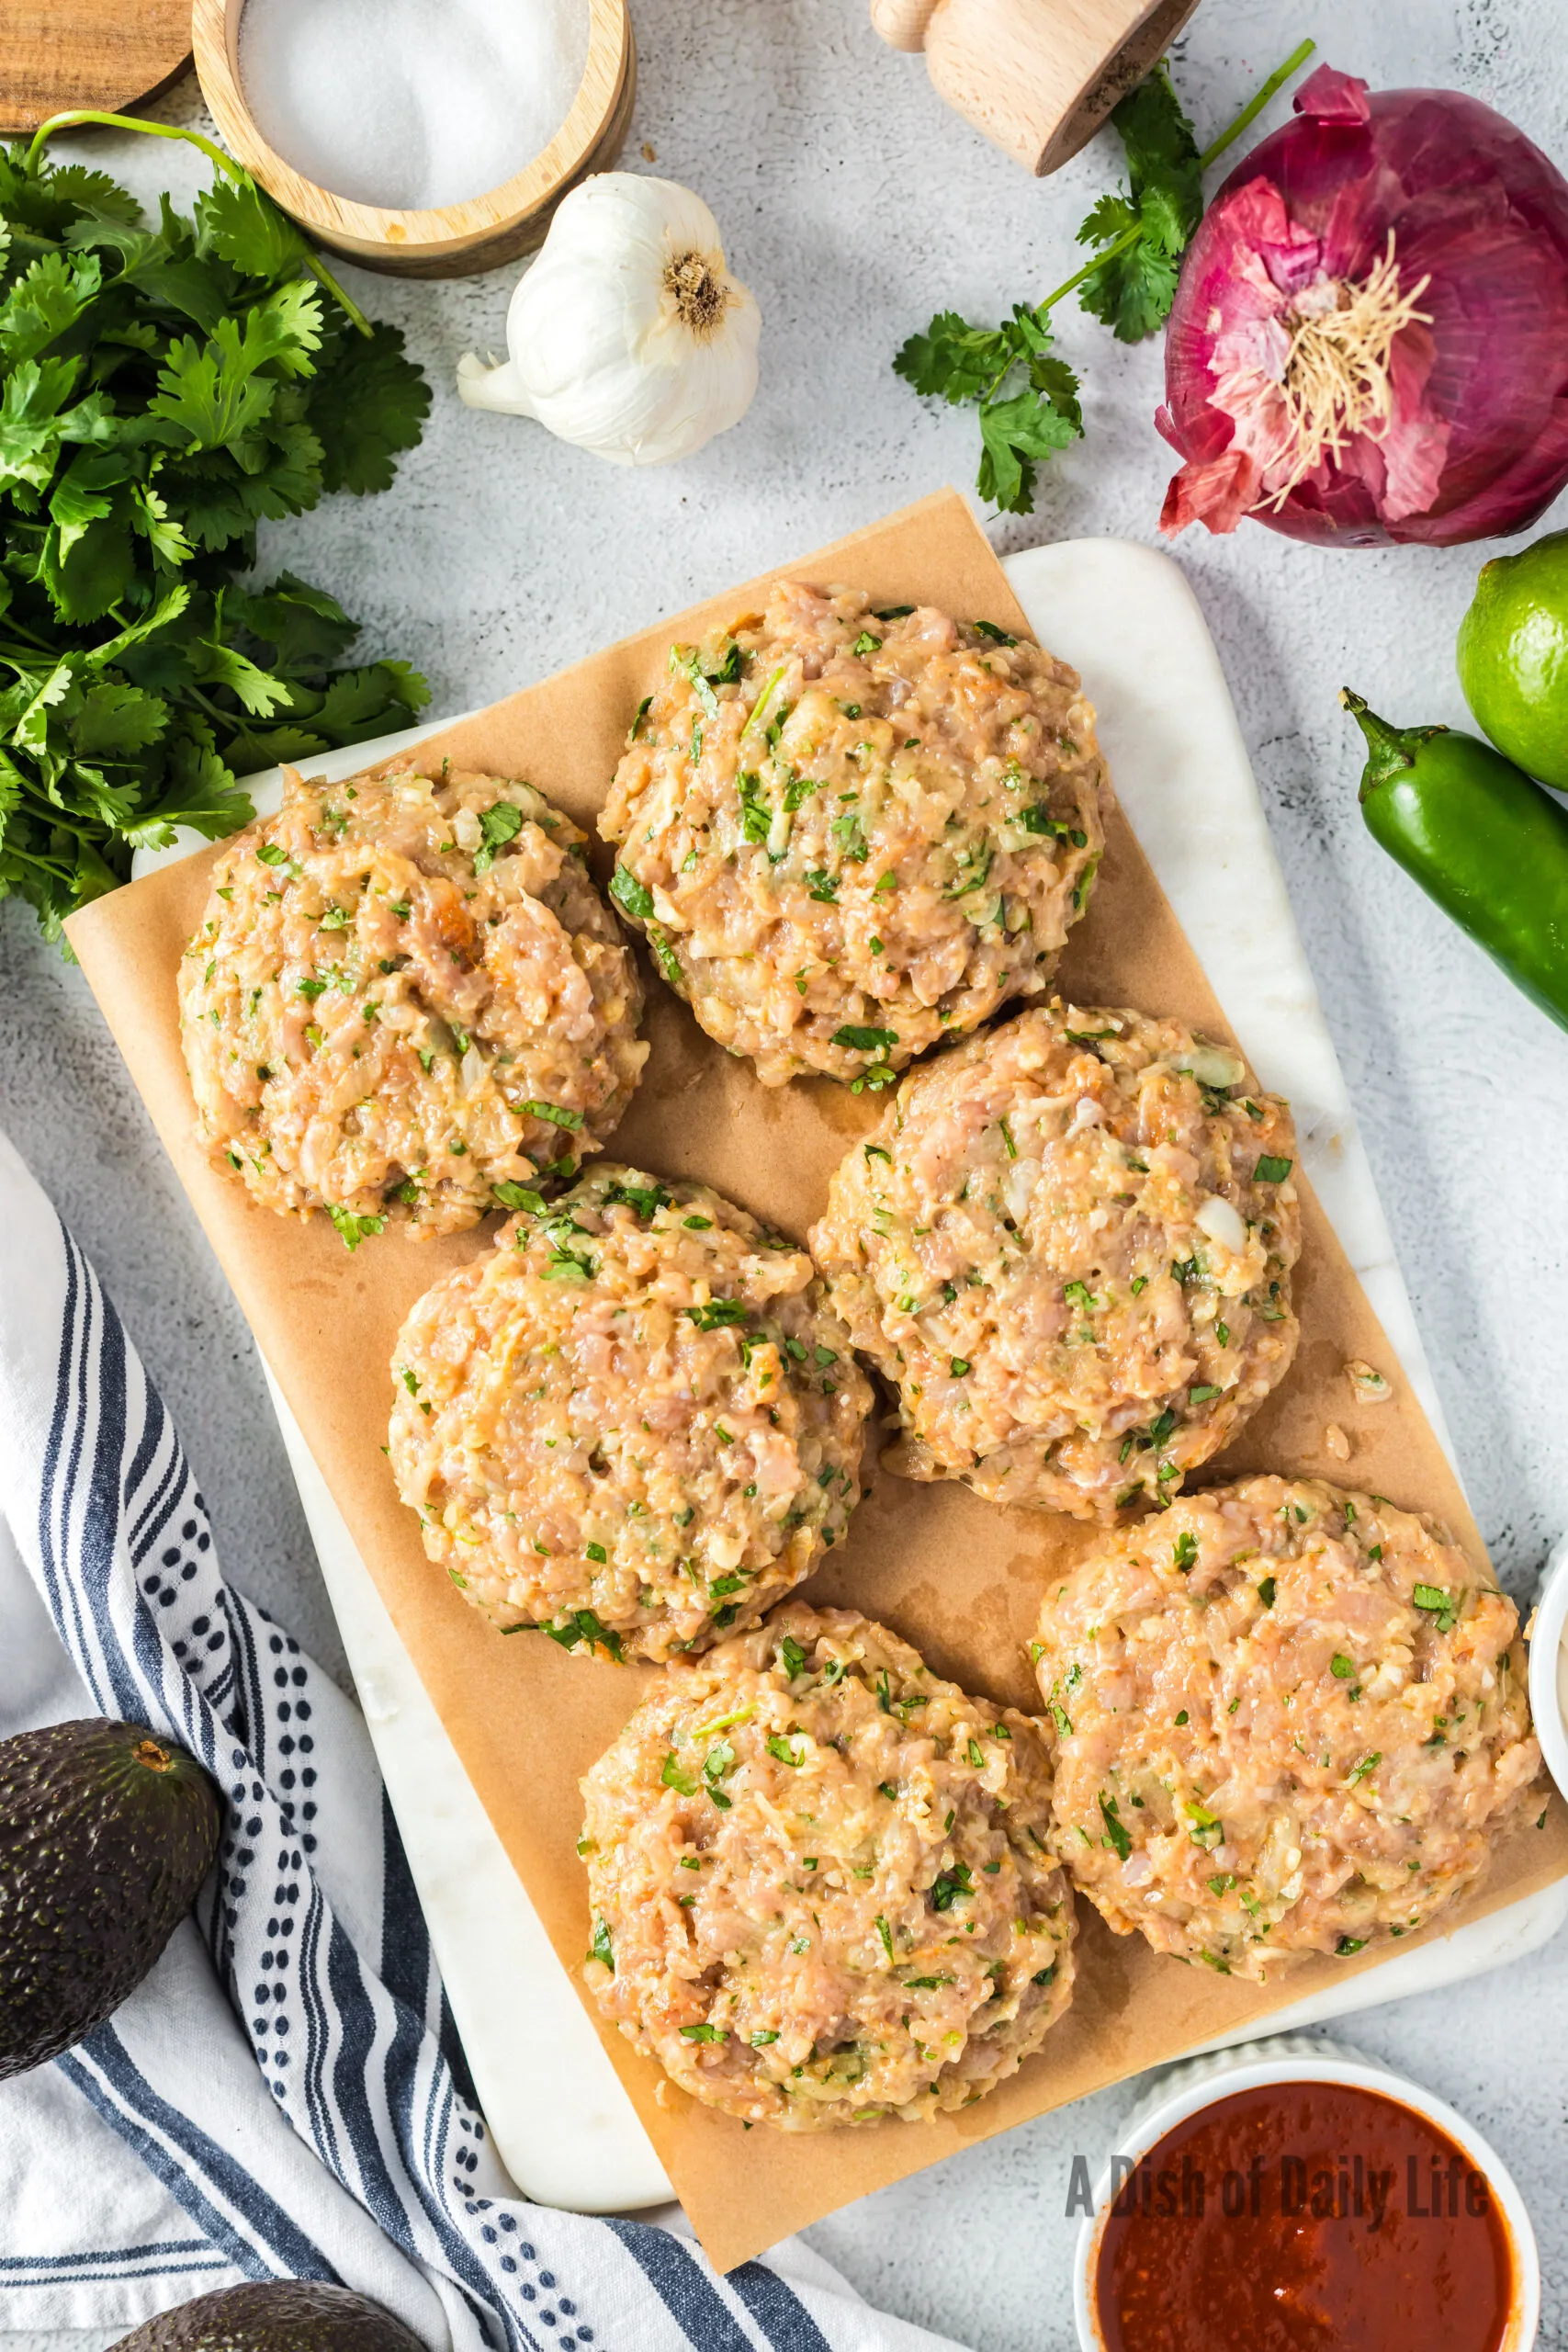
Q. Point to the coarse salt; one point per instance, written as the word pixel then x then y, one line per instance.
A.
pixel 408 104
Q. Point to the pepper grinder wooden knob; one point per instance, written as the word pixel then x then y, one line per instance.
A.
pixel 1037 76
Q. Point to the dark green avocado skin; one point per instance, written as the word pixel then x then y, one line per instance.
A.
pixel 107 1830
pixel 285 2315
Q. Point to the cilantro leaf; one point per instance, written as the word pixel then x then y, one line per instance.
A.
pixel 165 613
pixel 1014 435
pixel 35 420
pixel 303 628
pixel 1109 216
pixel 645 1199
pixel 1132 291
pixel 149 514
pixel 1116 1836
pixel 361 703
pixel 272 747
pixel 200 791
pixel 1162 153
pixel 49 202
pixel 37 696
pixel 48 298
pixel 115 721
pixel 211 392
pixel 86 575
pixel 368 406
pixel 1144 233
pixel 352 1229
pixel 500 823
pixel 953 360
pixel 1438 1603
pixel 223 665
pixel 581 1628
pixel 633 897
pixel 718 1314
pixel 236 221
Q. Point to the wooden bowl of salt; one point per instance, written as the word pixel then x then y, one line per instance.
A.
pixel 273 71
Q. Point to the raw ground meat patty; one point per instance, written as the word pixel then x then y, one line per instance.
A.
pixel 819 1882
pixel 1288 1720
pixel 1069 1246
pixel 407 993
pixel 850 835
pixel 634 1421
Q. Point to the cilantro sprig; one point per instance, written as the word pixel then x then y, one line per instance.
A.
pixel 165 387
pixel 979 367
pixel 1025 394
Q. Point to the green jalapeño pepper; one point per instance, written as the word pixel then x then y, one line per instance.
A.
pixel 1482 839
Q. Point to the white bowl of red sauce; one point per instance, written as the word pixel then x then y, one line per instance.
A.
pixel 1291 2193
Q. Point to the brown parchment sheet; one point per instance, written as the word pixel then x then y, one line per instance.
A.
pixel 959 1578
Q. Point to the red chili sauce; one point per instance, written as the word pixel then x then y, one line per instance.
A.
pixel 1305 2217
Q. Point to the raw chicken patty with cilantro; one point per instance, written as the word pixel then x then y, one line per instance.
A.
pixel 407 1002
pixel 633 1422
pixel 1068 1247
pixel 849 833
pixel 1288 1720
pixel 819 1880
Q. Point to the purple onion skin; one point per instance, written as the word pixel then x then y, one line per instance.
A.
pixel 1475 204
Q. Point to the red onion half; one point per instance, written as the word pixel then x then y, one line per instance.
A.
pixel 1369 341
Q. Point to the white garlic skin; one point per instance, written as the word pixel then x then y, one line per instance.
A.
pixel 628 336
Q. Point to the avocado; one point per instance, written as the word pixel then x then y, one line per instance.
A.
pixel 283 2315
pixel 107 1830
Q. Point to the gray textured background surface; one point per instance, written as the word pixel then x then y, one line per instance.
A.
pixel 855 205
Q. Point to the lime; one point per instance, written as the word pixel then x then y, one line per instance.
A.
pixel 1513 657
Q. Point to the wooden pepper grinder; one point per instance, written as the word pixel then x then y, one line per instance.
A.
pixel 1037 76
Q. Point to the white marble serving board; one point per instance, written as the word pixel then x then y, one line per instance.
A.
pixel 1125 617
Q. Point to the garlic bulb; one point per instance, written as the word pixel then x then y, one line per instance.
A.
pixel 628 336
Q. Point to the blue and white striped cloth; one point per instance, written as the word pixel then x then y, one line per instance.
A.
pixel 284 2095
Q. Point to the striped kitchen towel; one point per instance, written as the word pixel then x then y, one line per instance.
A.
pixel 284 2095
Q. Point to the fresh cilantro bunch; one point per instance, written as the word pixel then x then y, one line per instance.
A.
pixel 1026 396
pixel 164 389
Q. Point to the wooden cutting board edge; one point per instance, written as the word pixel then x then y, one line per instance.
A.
pixel 58 55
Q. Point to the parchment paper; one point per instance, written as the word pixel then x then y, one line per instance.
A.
pixel 957 1577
